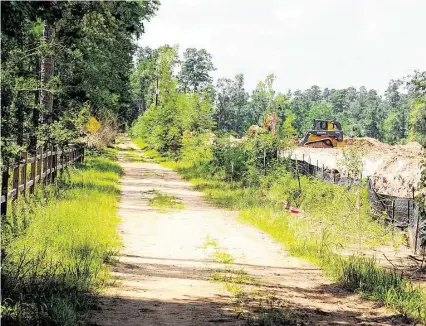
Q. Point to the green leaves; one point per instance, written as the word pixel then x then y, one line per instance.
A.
pixel 91 46
pixel 194 75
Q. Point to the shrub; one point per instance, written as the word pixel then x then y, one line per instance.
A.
pixel 103 135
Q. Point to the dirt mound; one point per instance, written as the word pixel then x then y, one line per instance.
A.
pixel 366 142
pixel 394 169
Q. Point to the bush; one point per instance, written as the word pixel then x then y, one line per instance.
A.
pixel 102 136
pixel 247 159
pixel 196 148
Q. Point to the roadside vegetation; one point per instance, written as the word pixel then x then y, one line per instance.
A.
pixel 253 304
pixel 55 245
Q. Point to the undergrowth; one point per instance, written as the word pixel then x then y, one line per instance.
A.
pixel 55 245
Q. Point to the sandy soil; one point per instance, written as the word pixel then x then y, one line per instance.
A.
pixel 163 272
pixel 394 170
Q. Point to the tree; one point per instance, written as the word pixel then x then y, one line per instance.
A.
pixel 195 71
pixel 231 104
pixel 417 87
pixel 143 80
pixel 90 45
pixel 164 125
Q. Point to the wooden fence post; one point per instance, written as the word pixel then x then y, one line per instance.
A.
pixel 70 154
pixel 54 162
pixel 417 224
pixel 39 163
pixel 393 211
pixel 45 164
pixel 24 156
pixel 15 182
pixel 33 173
pixel 51 164
pixel 61 160
pixel 4 186
pixel 65 157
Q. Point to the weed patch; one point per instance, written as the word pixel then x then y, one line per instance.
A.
pixel 333 218
pixel 165 202
pixel 248 301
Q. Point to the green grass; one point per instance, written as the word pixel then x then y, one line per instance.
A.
pixel 165 202
pixel 132 155
pixel 56 246
pixel 331 222
pixel 251 304
pixel 140 143
pixel 148 154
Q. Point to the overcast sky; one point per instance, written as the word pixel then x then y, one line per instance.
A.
pixel 329 43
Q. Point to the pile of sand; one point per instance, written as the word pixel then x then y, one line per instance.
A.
pixel 394 169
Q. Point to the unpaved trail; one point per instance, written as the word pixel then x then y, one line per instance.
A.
pixel 164 273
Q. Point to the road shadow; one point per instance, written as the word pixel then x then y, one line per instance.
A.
pixel 276 302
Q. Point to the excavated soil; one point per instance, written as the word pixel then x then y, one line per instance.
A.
pixel 394 170
pixel 163 273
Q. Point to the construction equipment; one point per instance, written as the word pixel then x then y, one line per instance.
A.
pixel 325 133
pixel 269 125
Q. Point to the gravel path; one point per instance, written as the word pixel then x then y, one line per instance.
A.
pixel 164 272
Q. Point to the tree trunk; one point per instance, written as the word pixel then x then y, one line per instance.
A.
pixel 20 118
pixel 35 118
pixel 46 72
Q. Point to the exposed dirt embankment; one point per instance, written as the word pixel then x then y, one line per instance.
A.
pixel 394 170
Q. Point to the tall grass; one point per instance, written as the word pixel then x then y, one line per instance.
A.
pixel 331 221
pixel 55 245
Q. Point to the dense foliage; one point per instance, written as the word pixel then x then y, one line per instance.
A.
pixel 63 62
pixel 399 115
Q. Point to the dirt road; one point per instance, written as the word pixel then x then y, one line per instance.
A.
pixel 164 271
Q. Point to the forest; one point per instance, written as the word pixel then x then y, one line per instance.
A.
pixel 397 116
pixel 62 63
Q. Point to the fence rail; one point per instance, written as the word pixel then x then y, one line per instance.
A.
pixel 43 169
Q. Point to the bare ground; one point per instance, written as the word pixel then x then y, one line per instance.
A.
pixel 163 274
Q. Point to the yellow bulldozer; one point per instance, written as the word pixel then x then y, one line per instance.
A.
pixel 325 133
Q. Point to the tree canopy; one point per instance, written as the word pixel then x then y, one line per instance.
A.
pixel 62 60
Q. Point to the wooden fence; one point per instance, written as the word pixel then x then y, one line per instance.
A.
pixel 42 168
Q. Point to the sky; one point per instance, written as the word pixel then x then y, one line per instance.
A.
pixel 329 43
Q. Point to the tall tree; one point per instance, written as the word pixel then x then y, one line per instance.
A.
pixel 231 104
pixel 195 73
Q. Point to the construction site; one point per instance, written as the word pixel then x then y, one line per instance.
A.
pixel 394 170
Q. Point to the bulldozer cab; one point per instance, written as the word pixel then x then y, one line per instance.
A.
pixel 325 133
pixel 326 125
